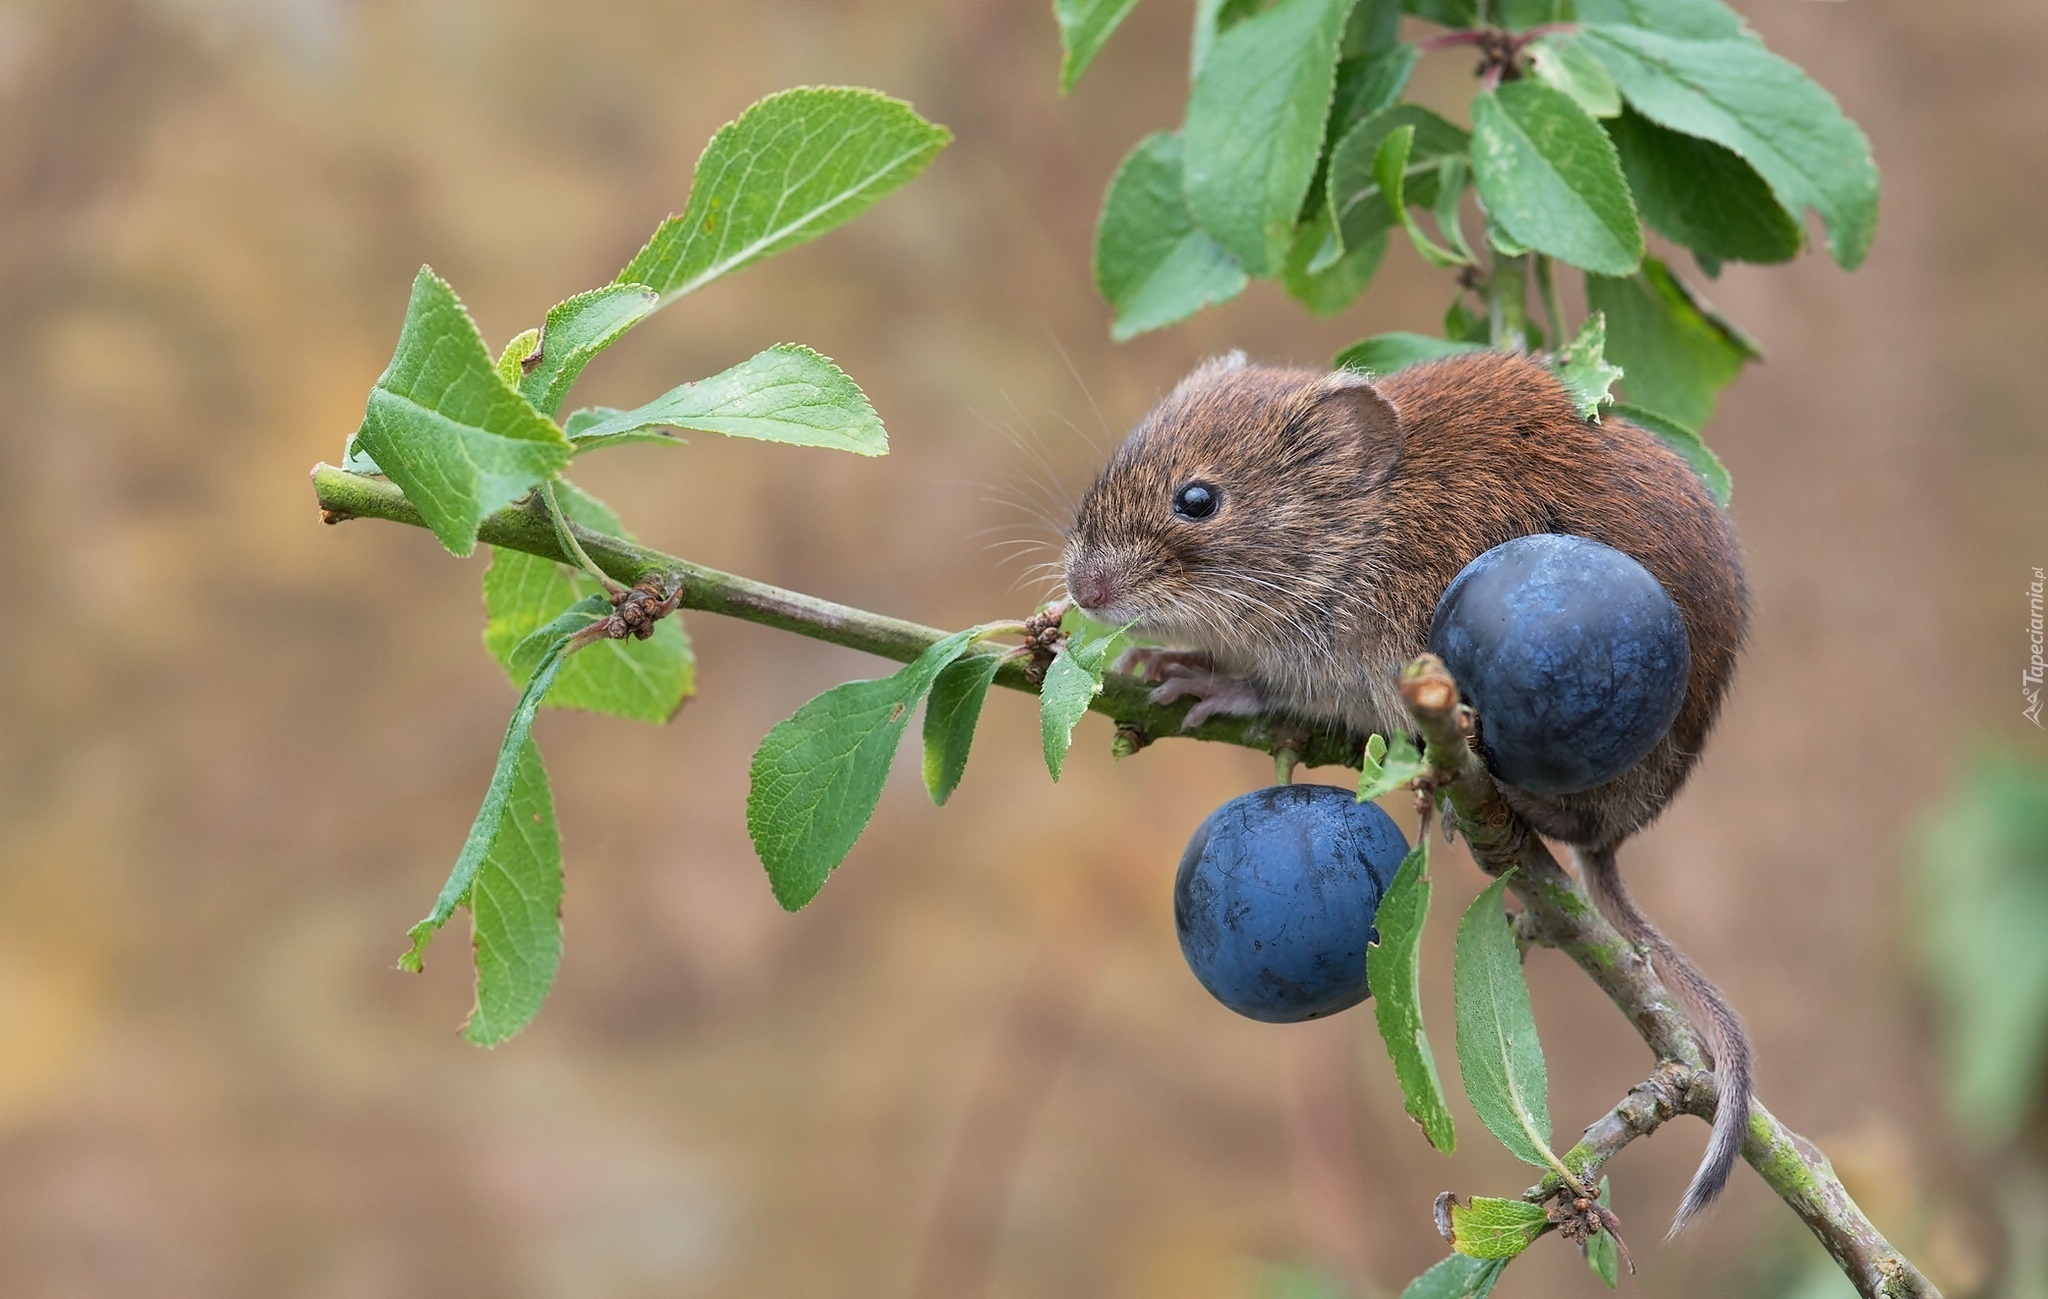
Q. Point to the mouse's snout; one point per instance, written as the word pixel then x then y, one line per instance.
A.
pixel 1092 580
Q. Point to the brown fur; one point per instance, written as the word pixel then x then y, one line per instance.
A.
pixel 1346 509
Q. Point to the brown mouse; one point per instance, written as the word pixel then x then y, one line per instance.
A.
pixel 1289 532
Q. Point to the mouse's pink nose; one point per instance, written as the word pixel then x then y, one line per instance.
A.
pixel 1091 587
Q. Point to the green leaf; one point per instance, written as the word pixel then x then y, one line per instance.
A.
pixel 1699 20
pixel 1393 970
pixel 1498 1053
pixel 1702 195
pixel 1490 1228
pixel 1601 1256
pixel 1738 94
pixel 515 909
pixel 577 329
pixel 1085 25
pixel 1678 352
pixel 1584 371
pixel 1448 13
pixel 1520 15
pixel 1388 767
pixel 444 427
pixel 1153 265
pixel 1686 443
pixel 1369 85
pixel 646 680
pixel 1548 176
pixel 483 832
pixel 1255 127
pixel 1357 205
pixel 1072 679
pixel 1386 353
pixel 1374 26
pixel 949 720
pixel 787 170
pixel 1213 17
pixel 1977 892
pixel 1559 63
pixel 1389 169
pixel 787 394
pixel 1331 288
pixel 511 362
pixel 1457 1277
pixel 819 773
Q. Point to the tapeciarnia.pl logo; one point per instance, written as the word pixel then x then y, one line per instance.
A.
pixel 2030 678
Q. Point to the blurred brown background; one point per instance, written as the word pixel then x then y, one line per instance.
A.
pixel 238 749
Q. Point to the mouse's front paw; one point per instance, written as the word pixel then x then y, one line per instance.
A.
pixel 1215 695
pixel 1154 664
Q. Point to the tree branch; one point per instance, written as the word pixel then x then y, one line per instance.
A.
pixel 1563 916
pixel 1557 911
pixel 527 527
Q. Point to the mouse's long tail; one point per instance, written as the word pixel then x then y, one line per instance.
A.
pixel 1711 1014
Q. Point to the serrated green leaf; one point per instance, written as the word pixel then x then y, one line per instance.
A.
pixel 950 716
pixel 646 680
pixel 819 773
pixel 1520 15
pixel 1457 1277
pixel 1699 20
pixel 1085 25
pixel 1559 63
pixel 1393 970
pixel 1387 767
pixel 1153 265
pixel 1072 679
pixel 1583 369
pixel 1368 85
pixel 1389 171
pixel 1549 178
pixel 784 172
pixel 1448 13
pixel 1330 288
pixel 1373 26
pixel 1255 127
pixel 1677 352
pixel 1738 94
pixel 483 832
pixel 1357 206
pixel 1491 1228
pixel 1686 443
pixel 1702 195
pixel 577 329
pixel 511 362
pixel 444 427
pixel 1601 1256
pixel 1386 353
pixel 1213 17
pixel 1498 1051
pixel 515 909
pixel 1978 894
pixel 787 394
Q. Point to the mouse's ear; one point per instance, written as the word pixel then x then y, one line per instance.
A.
pixel 1377 423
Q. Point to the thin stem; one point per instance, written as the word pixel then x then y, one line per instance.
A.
pixel 1546 287
pixel 344 496
pixel 1507 302
pixel 570 545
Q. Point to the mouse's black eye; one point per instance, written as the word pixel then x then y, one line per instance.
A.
pixel 1196 501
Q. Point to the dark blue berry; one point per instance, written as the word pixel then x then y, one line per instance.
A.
pixel 1573 655
pixel 1276 896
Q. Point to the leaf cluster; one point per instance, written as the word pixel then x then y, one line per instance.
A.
pixel 1592 123
pixel 465 434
